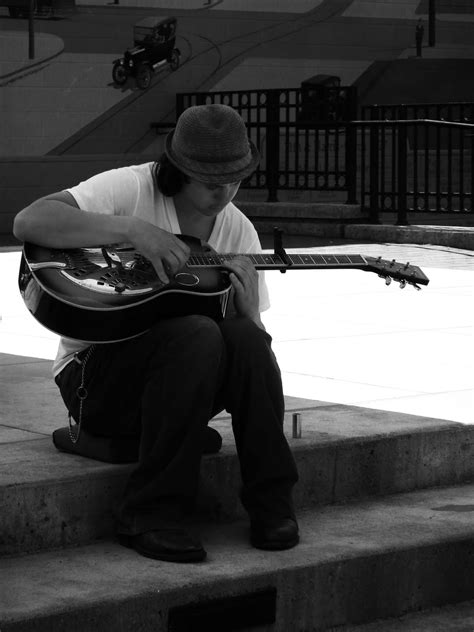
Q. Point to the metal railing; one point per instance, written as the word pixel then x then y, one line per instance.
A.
pixel 386 165
pixel 399 167
pixel 302 156
pixel 414 165
pixel 287 105
pixel 297 131
pixel 456 111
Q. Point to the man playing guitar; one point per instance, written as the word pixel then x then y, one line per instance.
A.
pixel 167 383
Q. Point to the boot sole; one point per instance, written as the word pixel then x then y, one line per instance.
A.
pixel 275 546
pixel 190 556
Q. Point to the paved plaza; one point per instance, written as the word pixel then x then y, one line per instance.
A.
pixel 341 336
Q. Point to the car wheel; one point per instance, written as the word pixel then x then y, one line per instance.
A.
pixel 174 59
pixel 119 73
pixel 143 76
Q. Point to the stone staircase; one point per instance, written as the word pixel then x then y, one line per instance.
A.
pixel 385 504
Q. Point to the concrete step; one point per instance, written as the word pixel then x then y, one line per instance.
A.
pixel 50 499
pixel 356 563
pixel 316 218
pixel 453 618
pixel 337 220
pixel 302 211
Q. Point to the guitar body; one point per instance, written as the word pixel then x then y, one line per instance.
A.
pixel 106 295
pixel 109 294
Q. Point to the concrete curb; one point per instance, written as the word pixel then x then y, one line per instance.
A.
pixel 297 211
pixel 346 453
pixel 451 236
pixel 348 221
pixel 354 563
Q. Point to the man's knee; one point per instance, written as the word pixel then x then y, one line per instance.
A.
pixel 196 334
pixel 245 337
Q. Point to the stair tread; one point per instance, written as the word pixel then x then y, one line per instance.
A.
pixel 452 618
pixel 64 580
pixel 37 461
pixel 53 499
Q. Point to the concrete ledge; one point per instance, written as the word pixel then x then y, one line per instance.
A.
pixel 355 563
pixel 452 618
pixel 301 228
pixel 348 221
pixel 297 218
pixel 320 211
pixel 451 236
pixel 49 499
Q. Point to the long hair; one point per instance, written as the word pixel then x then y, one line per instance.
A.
pixel 169 178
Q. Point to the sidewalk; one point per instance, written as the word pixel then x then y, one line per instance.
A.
pixel 14 52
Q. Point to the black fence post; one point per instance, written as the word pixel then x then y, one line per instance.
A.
pixel 272 155
pixel 353 103
pixel 374 168
pixel 31 30
pixel 402 175
pixel 419 32
pixel 431 22
pixel 179 104
pixel 472 173
pixel 351 163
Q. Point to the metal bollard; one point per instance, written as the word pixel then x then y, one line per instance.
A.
pixel 296 425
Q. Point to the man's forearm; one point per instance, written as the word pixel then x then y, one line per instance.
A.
pixel 56 224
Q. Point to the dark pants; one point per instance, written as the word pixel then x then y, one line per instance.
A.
pixel 166 385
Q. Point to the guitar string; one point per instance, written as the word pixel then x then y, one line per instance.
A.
pixel 216 259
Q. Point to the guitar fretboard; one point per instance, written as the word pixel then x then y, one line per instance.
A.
pixel 275 261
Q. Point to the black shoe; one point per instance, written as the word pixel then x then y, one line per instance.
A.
pixel 274 535
pixel 170 544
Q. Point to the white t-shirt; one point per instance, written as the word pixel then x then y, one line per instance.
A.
pixel 132 191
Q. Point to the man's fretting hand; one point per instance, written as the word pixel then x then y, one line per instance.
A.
pixel 244 279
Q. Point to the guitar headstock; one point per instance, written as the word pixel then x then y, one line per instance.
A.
pixel 402 272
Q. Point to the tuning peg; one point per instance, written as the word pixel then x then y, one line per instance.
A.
pixel 407 265
pixel 403 284
pixel 388 280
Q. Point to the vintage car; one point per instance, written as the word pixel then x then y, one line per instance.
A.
pixel 154 46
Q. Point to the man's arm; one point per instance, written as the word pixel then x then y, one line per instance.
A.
pixel 55 221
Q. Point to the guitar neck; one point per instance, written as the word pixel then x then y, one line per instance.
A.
pixel 405 273
pixel 286 262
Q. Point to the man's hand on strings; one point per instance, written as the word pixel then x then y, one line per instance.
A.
pixel 165 251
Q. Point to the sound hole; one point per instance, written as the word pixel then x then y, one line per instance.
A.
pixel 187 279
